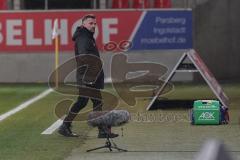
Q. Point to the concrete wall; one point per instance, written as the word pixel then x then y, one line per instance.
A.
pixel 36 67
pixel 217 37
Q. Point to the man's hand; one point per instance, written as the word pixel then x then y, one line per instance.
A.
pixel 89 83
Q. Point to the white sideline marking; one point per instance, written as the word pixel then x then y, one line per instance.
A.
pixel 53 127
pixel 24 105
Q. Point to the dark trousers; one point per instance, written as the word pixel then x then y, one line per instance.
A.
pixel 80 104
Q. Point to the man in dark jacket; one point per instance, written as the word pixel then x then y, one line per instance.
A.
pixel 85 47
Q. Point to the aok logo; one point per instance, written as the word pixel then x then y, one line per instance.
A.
pixel 207 116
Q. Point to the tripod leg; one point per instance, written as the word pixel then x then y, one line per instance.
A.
pixel 116 147
pixel 107 145
pixel 119 149
pixel 97 148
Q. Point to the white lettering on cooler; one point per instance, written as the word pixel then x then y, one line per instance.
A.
pixel 207 116
pixel 107 29
pixel 12 32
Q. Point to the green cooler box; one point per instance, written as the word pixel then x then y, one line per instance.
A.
pixel 206 112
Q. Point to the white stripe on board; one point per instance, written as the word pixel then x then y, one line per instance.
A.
pixel 53 127
pixel 24 105
pixel 137 26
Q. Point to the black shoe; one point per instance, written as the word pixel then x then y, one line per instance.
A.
pixel 66 131
pixel 105 135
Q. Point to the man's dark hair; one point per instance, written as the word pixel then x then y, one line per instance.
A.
pixel 88 16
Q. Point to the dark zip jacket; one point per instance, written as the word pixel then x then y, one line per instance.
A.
pixel 85 45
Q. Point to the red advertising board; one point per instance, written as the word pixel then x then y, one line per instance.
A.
pixel 3 5
pixel 32 31
pixel 201 67
pixel 209 77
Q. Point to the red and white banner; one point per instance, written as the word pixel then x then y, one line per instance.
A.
pixel 3 5
pixel 32 31
pixel 209 77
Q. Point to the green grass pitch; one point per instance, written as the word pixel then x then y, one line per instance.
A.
pixel 20 134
